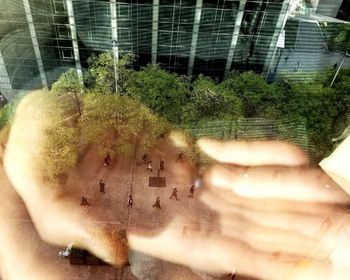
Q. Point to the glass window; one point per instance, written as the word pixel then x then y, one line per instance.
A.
pixel 164 38
pixel 63 31
pixel 67 53
pixel 165 13
pixel 123 10
pixel 59 6
pixel 124 34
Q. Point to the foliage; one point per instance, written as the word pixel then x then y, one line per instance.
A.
pixel 59 146
pixel 337 35
pixel 319 105
pixel 257 96
pixel 162 92
pixel 68 82
pixel 4 115
pixel 100 75
pixel 112 120
pixel 207 100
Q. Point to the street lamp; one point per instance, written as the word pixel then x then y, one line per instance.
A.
pixel 341 64
pixel 115 46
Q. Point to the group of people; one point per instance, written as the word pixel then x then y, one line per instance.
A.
pixel 107 163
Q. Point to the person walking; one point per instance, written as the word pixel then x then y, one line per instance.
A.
pixel 157 203
pixel 191 192
pixel 161 165
pixel 179 157
pixel 102 186
pixel 130 201
pixel 149 167
pixel 107 160
pixel 84 201
pixel 144 158
pixel 174 194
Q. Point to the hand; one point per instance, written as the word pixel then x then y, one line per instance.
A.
pixel 281 213
pixel 212 241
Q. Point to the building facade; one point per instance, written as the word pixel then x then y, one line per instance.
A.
pixel 40 39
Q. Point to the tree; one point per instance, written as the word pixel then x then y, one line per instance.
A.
pixel 59 146
pixel 318 105
pixel 68 82
pixel 162 92
pixel 111 121
pixel 258 97
pixel 100 75
pixel 207 100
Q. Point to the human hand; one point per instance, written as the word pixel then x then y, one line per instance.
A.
pixel 289 220
pixel 215 231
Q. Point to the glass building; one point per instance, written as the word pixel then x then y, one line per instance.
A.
pixel 40 39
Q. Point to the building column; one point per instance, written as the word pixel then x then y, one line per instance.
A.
pixel 281 22
pixel 235 35
pixel 155 19
pixel 73 31
pixel 114 24
pixel 5 81
pixel 35 43
pixel 197 20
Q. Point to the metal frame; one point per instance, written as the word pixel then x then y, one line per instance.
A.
pixel 235 35
pixel 35 43
pixel 5 81
pixel 73 32
pixel 197 19
pixel 155 19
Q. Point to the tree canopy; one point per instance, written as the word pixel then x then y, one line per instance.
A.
pixel 180 101
pixel 164 93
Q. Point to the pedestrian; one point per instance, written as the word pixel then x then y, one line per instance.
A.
pixel 161 165
pixel 174 194
pixel 84 201
pixel 286 59
pixel 179 157
pixel 157 203
pixel 191 192
pixel 107 160
pixel 130 201
pixel 144 158
pixel 149 167
pixel 102 186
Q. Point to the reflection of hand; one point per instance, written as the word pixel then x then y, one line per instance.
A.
pixel 241 238
pixel 277 210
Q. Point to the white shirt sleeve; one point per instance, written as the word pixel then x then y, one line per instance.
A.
pixel 337 165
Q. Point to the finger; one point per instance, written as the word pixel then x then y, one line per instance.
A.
pixel 276 205
pixel 306 185
pixel 296 221
pixel 295 233
pixel 222 254
pixel 254 153
pixel 49 203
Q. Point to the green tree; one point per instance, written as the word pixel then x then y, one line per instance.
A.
pixel 259 98
pixel 162 92
pixel 207 100
pixel 100 75
pixel 68 82
pixel 60 145
pixel 111 121
pixel 319 106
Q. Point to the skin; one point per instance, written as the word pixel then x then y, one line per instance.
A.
pixel 269 211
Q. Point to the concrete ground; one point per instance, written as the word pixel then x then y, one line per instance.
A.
pixel 26 252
